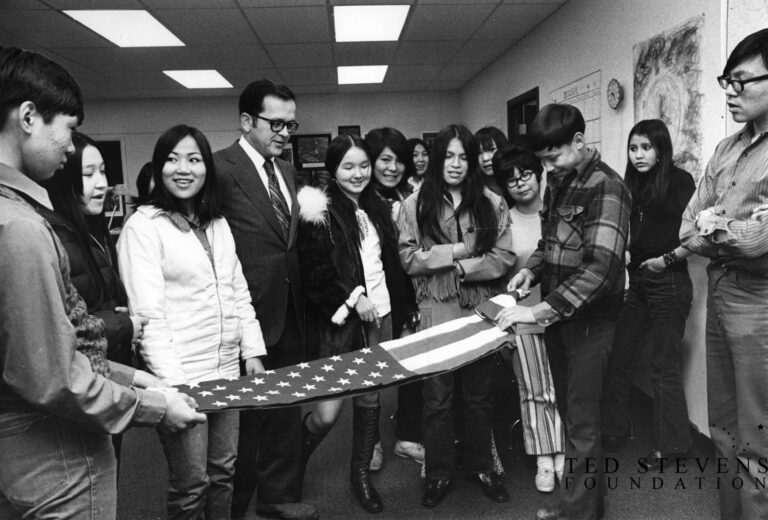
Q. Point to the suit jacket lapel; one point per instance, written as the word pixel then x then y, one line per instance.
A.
pixel 247 177
pixel 289 175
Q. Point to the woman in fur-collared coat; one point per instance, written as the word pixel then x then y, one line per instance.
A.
pixel 349 260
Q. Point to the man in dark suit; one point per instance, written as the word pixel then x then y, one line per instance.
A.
pixel 259 202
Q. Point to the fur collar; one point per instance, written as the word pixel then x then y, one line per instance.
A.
pixel 313 205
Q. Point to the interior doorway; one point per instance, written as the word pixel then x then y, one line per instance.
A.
pixel 520 113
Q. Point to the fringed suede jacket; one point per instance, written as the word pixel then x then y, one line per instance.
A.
pixel 331 269
pixel 432 266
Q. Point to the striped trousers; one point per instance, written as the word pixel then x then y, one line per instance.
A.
pixel 542 428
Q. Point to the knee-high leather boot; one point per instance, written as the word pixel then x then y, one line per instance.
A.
pixel 309 443
pixel 364 426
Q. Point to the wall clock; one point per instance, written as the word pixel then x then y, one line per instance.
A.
pixel 615 93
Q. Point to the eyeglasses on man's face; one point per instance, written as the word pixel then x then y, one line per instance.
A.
pixel 737 84
pixel 525 175
pixel 277 125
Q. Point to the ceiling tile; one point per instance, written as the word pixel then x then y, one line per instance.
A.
pixel 225 57
pixel 364 53
pixel 13 40
pixel 38 27
pixel 425 52
pixel 405 87
pixel 216 92
pixel 288 24
pixel 209 27
pixel 240 78
pixel 314 89
pixel 147 93
pixel 481 51
pixel 432 22
pixel 411 73
pixel 95 4
pixel 371 2
pixel 344 89
pixel 301 55
pixel 309 76
pixel 459 72
pixel 534 1
pixel 446 85
pixel 511 22
pixel 61 57
pixel 8 5
pixel 189 4
pixel 457 2
pixel 140 80
pixel 278 3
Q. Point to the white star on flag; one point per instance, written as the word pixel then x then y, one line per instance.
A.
pixel 382 364
pixel 233 397
pixel 318 379
pixel 374 374
pixel 219 403
pixel 283 384
pixel 335 389
pixel 299 394
pixel 294 374
pixel 245 389
pixel 343 381
pixel 335 358
pixel 398 376
pixel 351 372
pixel 303 365
pixel 258 381
pixel 358 360
pixel 365 350
pixel 368 383
pixel 219 387
pixel 309 387
pixel 260 397
pixel 194 385
pixel 205 393
pixel 327 368
pixel 269 371
pixel 273 392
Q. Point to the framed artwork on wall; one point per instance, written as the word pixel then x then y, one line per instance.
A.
pixel 310 149
pixel 287 154
pixel 350 129
pixel 428 137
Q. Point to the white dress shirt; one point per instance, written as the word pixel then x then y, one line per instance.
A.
pixel 258 162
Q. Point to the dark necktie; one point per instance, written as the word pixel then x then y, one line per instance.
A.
pixel 278 201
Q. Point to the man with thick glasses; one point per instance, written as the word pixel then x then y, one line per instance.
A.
pixel 726 222
pixel 258 193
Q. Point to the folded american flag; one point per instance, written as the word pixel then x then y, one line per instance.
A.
pixel 440 348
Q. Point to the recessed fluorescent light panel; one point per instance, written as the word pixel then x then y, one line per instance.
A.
pixel 127 28
pixel 199 78
pixel 369 23
pixel 361 74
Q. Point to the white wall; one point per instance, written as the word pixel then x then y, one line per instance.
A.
pixel 588 35
pixel 138 123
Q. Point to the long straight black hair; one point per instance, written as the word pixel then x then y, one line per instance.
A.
pixel 206 202
pixel 473 199
pixel 654 193
pixel 369 200
pixel 65 190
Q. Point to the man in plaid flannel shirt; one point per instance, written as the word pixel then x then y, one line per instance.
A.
pixel 580 265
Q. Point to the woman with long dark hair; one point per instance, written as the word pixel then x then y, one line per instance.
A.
pixel 348 256
pixel 490 140
pixel 393 167
pixel 178 262
pixel 420 154
pixel 456 245
pixel 659 297
pixel 77 193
